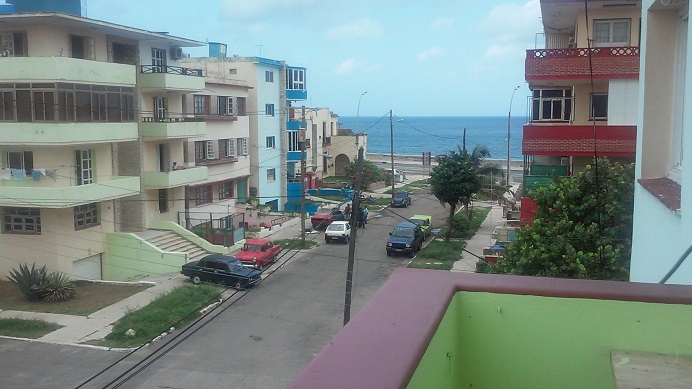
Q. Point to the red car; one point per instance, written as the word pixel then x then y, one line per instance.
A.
pixel 325 216
pixel 259 253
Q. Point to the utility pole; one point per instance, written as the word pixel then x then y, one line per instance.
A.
pixel 302 180
pixel 352 241
pixel 391 148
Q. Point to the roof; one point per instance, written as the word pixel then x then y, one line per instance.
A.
pixel 420 217
pixel 338 222
pixel 59 19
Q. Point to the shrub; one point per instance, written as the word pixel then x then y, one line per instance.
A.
pixel 57 287
pixel 29 280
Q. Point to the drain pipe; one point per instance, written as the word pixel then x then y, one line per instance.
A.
pixel 677 265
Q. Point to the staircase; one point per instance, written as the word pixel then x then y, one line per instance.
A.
pixel 170 241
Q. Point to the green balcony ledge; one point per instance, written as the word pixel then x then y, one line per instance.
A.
pixel 171 128
pixel 63 69
pixel 26 194
pixel 174 178
pixel 52 134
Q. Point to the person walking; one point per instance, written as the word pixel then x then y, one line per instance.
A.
pixel 347 211
pixel 365 216
pixel 361 218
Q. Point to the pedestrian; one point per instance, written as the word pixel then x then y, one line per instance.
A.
pixel 365 216
pixel 361 218
pixel 347 211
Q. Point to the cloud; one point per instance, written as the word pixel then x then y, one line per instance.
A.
pixel 443 22
pixel 430 53
pixel 350 65
pixel 519 24
pixel 360 28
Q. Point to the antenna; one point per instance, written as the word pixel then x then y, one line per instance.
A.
pixel 260 49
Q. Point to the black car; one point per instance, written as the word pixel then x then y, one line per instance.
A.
pixel 221 269
pixel 406 238
pixel 401 199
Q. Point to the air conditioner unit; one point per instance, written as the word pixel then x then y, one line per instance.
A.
pixel 572 42
pixel 176 52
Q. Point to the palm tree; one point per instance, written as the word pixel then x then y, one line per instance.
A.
pixel 483 169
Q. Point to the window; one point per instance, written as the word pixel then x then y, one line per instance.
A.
pixel 295 79
pixel 23 160
pixel 242 111
pixel 615 32
pixel 271 175
pixel 241 144
pixel 233 71
pixel 211 153
pixel 99 109
pixel 159 108
pixel 81 47
pixel 225 190
pixel 293 141
pixel 201 104
pixel 271 142
pixel 6 106
pixel 269 109
pixel 269 76
pixel 227 148
pixel 202 195
pixel 158 58
pixel 200 151
pixel 552 104
pixel 22 220
pixel 13 44
pixel 225 105
pixel 163 200
pixel 84 167
pixel 44 106
pixel 85 216
pixel 599 106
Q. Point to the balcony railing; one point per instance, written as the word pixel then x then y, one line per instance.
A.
pixel 573 63
pixel 146 69
pixel 562 140
pixel 151 119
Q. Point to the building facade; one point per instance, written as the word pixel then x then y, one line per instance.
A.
pixel 662 227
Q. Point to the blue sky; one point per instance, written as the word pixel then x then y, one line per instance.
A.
pixel 417 58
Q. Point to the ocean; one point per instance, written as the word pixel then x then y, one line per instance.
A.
pixel 439 135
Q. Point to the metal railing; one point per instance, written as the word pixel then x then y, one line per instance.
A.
pixel 152 119
pixel 147 69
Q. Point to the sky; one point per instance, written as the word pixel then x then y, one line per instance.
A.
pixel 417 58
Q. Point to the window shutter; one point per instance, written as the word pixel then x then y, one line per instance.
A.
pixel 231 148
pixel 210 150
pixel 244 141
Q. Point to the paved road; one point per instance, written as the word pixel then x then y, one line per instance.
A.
pixel 260 340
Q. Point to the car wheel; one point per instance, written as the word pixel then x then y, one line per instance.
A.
pixel 326 240
pixel 275 258
pixel 389 253
pixel 238 285
pixel 195 280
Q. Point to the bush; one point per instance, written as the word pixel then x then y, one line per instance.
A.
pixel 29 280
pixel 58 287
pixel 460 225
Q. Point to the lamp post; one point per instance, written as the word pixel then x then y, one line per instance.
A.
pixel 358 113
pixel 509 126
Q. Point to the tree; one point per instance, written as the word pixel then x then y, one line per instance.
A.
pixel 483 169
pixel 371 173
pixel 453 181
pixel 583 227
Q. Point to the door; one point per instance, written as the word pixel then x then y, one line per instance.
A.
pixel 164 157
pixel 84 167
pixel 159 108
pixel 158 60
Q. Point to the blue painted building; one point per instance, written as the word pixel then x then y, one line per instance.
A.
pixel 296 92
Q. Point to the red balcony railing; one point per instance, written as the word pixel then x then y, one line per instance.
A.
pixel 573 63
pixel 616 141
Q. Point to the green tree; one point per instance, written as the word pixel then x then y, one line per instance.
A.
pixel 485 170
pixel 371 173
pixel 454 181
pixel 583 227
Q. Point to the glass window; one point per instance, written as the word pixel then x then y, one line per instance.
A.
pixel 242 103
pixel 271 142
pixel 551 105
pixel 21 220
pixel 203 195
pixel 241 146
pixel 293 138
pixel 225 105
pixel 269 76
pixel 225 190
pixel 200 151
pixel 201 103
pixel 615 32
pixel 269 109
pixel 599 106
pixel 85 216
pixel 271 175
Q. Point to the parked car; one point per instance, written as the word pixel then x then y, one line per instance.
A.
pixel 325 216
pixel 425 223
pixel 398 175
pixel 221 269
pixel 401 199
pixel 406 238
pixel 258 253
pixel 338 230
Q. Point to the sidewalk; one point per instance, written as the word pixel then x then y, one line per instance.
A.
pixel 482 238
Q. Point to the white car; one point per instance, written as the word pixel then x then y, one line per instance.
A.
pixel 398 175
pixel 338 230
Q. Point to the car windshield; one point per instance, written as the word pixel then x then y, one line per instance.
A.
pixel 403 232
pixel 335 227
pixel 399 195
pixel 252 247
pixel 236 264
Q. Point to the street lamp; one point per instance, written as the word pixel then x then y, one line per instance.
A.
pixel 509 126
pixel 358 113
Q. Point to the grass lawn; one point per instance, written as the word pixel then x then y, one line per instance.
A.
pixel 89 298
pixel 31 329
pixel 333 179
pixel 294 244
pixel 173 309
pixel 438 255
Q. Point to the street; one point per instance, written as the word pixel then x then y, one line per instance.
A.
pixel 258 339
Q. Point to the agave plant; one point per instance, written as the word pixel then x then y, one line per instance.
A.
pixel 30 281
pixel 57 287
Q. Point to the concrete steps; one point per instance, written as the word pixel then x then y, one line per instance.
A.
pixel 170 241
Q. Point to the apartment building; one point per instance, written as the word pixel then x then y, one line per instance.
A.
pixel 91 134
pixel 662 197
pixel 584 90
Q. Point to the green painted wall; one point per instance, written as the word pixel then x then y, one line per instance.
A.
pixel 189 235
pixel 66 69
pixel 128 257
pixel 511 341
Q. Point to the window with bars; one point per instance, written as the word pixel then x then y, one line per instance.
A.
pixel 86 216
pixel 203 195
pixel 225 190
pixel 21 220
pixel 293 140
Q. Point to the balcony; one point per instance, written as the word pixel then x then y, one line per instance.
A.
pixel 558 140
pixel 52 133
pixel 294 156
pixel 174 178
pixel 162 78
pixel 63 69
pixel 573 63
pixel 293 125
pixel 172 128
pixel 36 194
pixel 296 94
pixel 433 329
